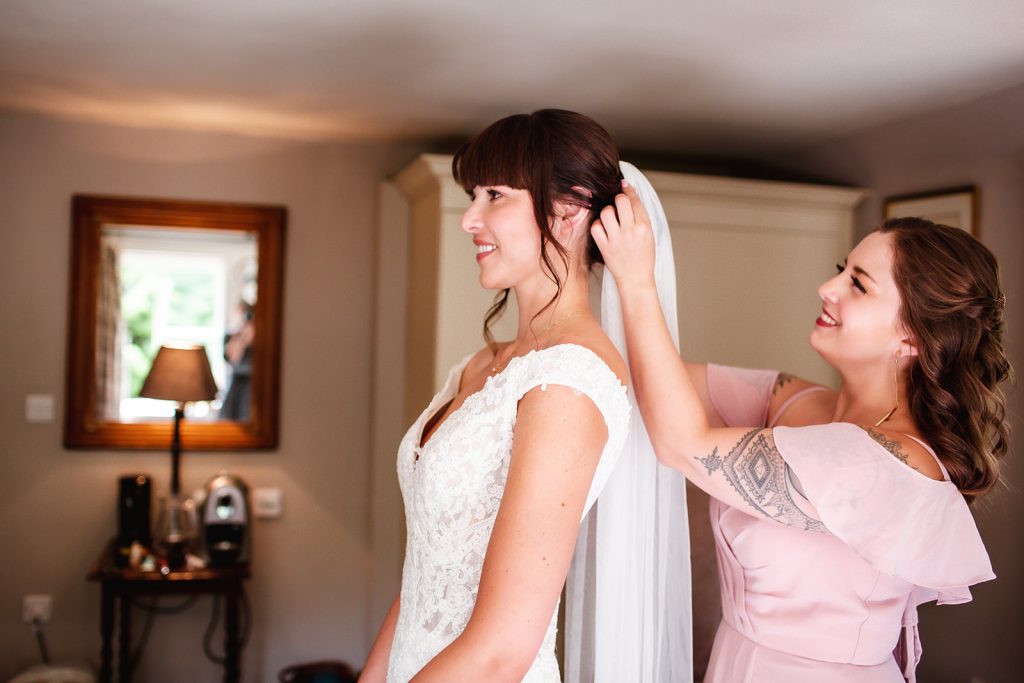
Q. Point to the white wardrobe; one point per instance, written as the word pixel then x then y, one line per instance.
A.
pixel 750 255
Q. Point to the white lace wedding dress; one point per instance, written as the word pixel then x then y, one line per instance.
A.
pixel 452 488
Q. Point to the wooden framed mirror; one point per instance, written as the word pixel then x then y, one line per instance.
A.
pixel 146 272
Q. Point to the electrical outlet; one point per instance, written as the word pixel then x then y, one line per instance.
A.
pixel 36 607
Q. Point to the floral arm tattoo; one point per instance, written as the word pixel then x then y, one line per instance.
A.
pixel 756 470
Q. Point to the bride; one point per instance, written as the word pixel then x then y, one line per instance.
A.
pixel 499 470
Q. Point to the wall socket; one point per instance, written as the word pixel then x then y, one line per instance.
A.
pixel 36 607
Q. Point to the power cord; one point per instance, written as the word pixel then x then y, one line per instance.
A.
pixel 212 626
pixel 37 629
pixel 208 636
pixel 151 610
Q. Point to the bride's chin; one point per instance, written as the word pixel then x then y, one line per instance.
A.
pixel 489 282
pixel 491 285
pixel 494 281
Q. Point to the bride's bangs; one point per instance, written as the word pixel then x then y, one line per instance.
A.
pixel 505 153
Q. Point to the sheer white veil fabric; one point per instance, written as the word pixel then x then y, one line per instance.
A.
pixel 628 606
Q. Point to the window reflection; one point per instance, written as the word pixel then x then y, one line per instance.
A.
pixel 167 286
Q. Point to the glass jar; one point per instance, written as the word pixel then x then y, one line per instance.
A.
pixel 176 531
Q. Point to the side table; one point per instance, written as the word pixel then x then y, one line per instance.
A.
pixel 123 584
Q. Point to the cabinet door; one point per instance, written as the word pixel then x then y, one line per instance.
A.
pixel 749 258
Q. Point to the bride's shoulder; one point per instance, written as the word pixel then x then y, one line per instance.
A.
pixel 593 342
pixel 590 366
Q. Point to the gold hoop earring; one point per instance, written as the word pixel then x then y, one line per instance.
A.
pixel 896 387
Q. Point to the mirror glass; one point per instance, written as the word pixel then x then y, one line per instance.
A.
pixel 169 286
pixel 147 273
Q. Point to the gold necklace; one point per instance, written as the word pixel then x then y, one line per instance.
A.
pixel 499 365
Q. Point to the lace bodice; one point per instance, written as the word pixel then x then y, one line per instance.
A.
pixel 453 486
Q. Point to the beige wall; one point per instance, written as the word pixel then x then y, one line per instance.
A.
pixel 312 568
pixel 980 143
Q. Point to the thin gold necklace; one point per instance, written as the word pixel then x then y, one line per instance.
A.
pixel 499 365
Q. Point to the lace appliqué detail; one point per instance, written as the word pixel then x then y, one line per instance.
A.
pixel 452 489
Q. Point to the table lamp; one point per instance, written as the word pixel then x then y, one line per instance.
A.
pixel 181 374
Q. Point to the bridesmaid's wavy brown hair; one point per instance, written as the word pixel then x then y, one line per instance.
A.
pixel 557 156
pixel 952 306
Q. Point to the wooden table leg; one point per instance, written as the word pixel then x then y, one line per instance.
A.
pixel 124 645
pixel 106 634
pixel 232 642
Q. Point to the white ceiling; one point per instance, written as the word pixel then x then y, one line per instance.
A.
pixel 727 77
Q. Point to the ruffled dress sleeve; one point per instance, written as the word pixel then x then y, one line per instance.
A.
pixel 741 396
pixel 900 521
pixel 579 368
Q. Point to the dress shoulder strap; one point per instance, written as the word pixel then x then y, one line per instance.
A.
pixel 945 472
pixel 574 366
pixel 797 395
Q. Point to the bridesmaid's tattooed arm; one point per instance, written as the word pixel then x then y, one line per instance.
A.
pixel 756 471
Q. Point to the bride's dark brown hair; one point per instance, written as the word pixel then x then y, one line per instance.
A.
pixel 557 156
pixel 952 306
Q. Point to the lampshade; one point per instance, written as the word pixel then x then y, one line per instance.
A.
pixel 180 373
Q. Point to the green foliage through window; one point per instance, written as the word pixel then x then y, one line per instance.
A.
pixel 180 294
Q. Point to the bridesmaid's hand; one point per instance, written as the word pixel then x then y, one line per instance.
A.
pixel 624 236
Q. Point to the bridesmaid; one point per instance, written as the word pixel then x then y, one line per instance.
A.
pixel 835 513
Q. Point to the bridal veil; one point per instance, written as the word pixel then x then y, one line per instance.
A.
pixel 628 607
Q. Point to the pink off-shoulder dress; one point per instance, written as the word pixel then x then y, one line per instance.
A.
pixel 802 606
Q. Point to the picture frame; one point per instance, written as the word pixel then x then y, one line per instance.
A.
pixel 956 207
pixel 86 423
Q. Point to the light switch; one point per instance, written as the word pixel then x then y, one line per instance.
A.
pixel 267 502
pixel 39 408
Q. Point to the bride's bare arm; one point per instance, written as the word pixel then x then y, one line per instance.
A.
pixel 557 442
pixel 376 669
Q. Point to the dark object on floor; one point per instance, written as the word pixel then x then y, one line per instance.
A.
pixel 318 672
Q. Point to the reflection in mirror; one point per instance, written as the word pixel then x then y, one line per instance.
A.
pixel 169 286
pixel 153 272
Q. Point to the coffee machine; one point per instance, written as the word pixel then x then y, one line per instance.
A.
pixel 225 519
